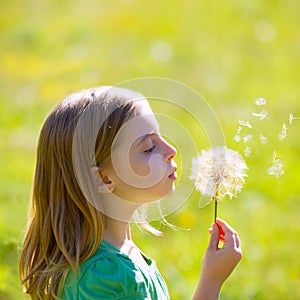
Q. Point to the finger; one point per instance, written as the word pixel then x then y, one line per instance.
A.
pixel 221 237
pixel 224 226
pixel 221 230
pixel 229 241
pixel 228 233
pixel 237 250
pixel 237 241
pixel 214 238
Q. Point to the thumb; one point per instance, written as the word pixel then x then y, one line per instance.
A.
pixel 214 238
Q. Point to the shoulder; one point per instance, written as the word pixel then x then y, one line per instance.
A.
pixel 108 274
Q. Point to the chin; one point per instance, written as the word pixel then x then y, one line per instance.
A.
pixel 168 194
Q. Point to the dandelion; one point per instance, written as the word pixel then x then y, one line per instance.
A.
pixel 218 172
pixel 260 101
pixel 245 123
pixel 282 134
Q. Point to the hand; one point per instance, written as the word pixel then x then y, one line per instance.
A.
pixel 218 263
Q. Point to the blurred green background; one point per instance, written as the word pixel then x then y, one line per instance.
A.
pixel 232 52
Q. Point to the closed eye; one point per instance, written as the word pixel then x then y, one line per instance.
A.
pixel 150 149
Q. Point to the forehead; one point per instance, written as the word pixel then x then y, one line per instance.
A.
pixel 144 123
pixel 144 107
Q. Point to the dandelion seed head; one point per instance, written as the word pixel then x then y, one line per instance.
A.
pixel 219 171
pixel 260 101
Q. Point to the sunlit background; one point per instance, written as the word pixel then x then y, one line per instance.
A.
pixel 232 52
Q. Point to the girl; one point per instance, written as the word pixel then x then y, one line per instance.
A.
pixel 100 161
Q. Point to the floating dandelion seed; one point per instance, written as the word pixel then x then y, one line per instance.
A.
pixel 247 138
pixel 218 172
pixel 237 136
pixel 263 114
pixel 239 130
pixel 282 134
pixel 245 123
pixel 260 101
pixel 291 117
pixel 247 151
pixel 274 155
pixel 277 167
pixel 263 139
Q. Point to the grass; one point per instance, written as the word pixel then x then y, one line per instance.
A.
pixel 231 52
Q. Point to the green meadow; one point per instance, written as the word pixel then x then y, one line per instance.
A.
pixel 231 52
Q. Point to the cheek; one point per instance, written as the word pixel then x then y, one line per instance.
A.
pixel 141 171
pixel 152 168
pixel 140 165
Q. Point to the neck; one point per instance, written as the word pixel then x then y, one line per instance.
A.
pixel 116 208
pixel 118 213
pixel 116 232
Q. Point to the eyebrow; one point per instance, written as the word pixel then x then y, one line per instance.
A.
pixel 145 136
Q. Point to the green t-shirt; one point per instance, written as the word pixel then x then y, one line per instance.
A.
pixel 111 274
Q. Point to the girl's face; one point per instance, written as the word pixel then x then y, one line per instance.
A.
pixel 142 168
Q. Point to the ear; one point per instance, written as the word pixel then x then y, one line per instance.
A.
pixel 102 182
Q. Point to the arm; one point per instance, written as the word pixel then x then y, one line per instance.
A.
pixel 218 263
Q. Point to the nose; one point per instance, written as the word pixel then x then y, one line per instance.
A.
pixel 170 151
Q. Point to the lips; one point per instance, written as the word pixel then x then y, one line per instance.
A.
pixel 173 175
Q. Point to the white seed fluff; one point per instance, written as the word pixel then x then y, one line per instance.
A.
pixel 260 101
pixel 218 171
pixel 282 134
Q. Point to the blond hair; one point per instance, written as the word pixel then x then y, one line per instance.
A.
pixel 64 228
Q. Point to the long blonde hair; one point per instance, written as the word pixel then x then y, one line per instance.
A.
pixel 64 228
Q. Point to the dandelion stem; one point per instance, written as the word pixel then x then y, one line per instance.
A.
pixel 216 208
